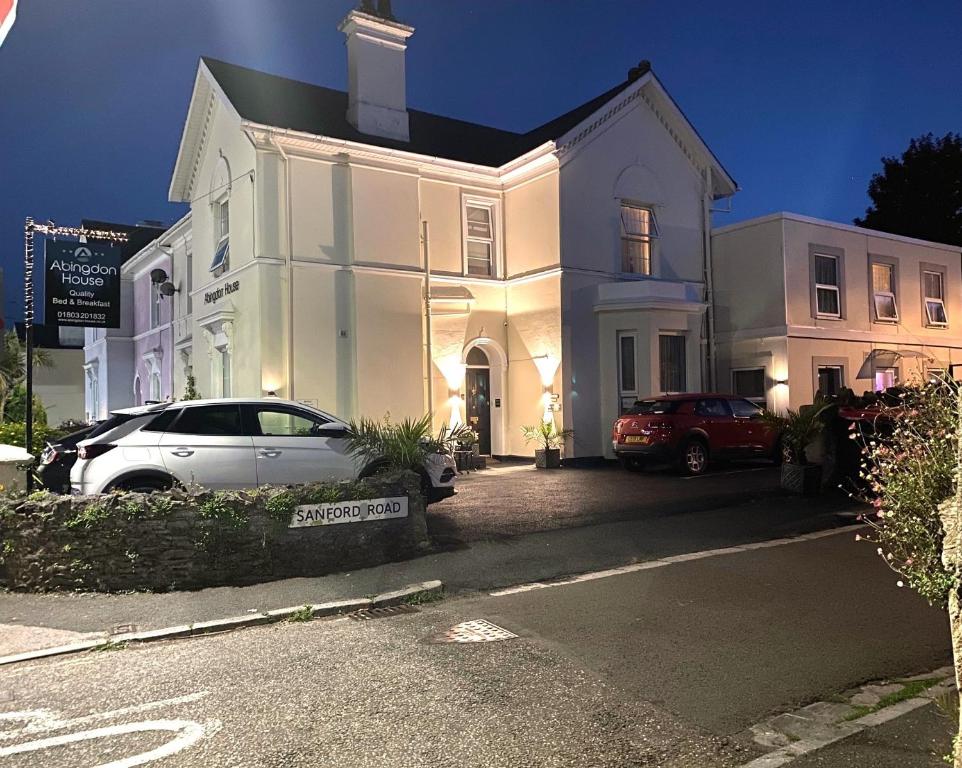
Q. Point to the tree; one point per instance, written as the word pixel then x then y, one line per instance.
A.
pixel 13 367
pixel 190 388
pixel 920 193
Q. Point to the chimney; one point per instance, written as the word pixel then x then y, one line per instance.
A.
pixel 376 41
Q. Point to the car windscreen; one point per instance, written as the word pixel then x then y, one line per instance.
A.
pixel 653 407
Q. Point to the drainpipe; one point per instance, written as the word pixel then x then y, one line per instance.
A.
pixel 427 316
pixel 290 265
pixel 709 285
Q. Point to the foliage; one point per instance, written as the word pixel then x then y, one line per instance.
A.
pixel 17 407
pixel 190 388
pixel 402 445
pixel 13 366
pixel 546 435
pixel 799 428
pixel 909 467
pixel 14 433
pixel 305 613
pixel 918 194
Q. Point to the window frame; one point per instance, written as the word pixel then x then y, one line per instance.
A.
pixel 627 238
pixel 841 363
pixel 762 399
pixel 684 362
pixel 155 295
pixel 941 271
pixel 625 394
pixel 838 256
pixel 172 427
pixel 493 207
pixel 892 266
pixel 221 261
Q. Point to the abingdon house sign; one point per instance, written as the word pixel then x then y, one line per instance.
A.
pixel 212 297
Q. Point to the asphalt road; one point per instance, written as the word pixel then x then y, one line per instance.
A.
pixel 660 667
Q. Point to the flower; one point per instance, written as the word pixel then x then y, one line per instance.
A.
pixel 858 537
pixel 899 583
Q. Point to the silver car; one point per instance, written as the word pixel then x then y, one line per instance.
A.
pixel 229 443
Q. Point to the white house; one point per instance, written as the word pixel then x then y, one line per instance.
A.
pixel 366 257
pixel 803 305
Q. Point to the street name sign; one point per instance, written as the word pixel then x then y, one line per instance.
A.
pixel 82 284
pixel 361 511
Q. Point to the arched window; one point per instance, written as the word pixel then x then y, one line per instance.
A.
pixel 476 357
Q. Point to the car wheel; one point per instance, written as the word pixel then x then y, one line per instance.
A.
pixel 143 485
pixel 694 457
pixel 632 463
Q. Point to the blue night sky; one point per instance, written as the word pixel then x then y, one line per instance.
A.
pixel 798 100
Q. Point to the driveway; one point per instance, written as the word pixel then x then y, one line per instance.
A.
pixel 513 499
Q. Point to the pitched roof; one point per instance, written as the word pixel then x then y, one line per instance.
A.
pixel 284 103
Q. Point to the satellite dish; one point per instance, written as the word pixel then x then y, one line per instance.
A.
pixel 167 288
pixel 158 276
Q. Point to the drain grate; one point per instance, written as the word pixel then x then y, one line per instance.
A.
pixel 381 613
pixel 474 631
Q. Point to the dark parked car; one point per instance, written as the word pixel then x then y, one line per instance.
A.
pixel 58 457
pixel 692 429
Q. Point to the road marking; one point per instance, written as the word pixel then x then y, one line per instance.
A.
pixel 723 474
pixel 188 733
pixel 666 561
pixel 39 720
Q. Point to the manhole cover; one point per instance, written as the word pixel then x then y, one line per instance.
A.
pixel 474 631
pixel 381 613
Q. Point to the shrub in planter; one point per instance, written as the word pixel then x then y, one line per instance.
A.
pixel 799 429
pixel 548 439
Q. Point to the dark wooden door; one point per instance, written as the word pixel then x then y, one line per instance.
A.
pixel 478 405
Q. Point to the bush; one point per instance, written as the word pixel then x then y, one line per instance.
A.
pixel 909 468
pixel 17 407
pixel 14 433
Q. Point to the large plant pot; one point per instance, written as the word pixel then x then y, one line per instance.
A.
pixel 547 458
pixel 805 479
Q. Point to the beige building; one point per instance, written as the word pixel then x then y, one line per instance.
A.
pixel 803 305
pixel 365 257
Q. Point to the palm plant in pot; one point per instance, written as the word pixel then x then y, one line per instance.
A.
pixel 548 440
pixel 799 429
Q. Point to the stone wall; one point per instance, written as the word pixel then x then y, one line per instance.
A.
pixel 187 540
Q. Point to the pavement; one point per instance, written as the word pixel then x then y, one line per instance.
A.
pixel 917 740
pixel 479 553
pixel 667 665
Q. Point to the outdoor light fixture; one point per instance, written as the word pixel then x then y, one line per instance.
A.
pixel 271 393
pixel 782 382
pixel 453 371
pixel 547 365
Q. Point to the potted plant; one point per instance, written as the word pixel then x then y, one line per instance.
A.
pixel 548 440
pixel 799 429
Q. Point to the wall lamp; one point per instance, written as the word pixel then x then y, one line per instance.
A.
pixel 782 382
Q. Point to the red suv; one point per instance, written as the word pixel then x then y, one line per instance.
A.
pixel 692 429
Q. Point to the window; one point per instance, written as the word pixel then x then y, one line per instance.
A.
pixel 671 363
pixel 627 380
pixel 654 407
pixel 714 409
pixel 221 216
pixel 883 288
pixel 827 298
pixel 155 387
pixel 479 239
pixel 750 384
pixel 209 420
pixel 744 409
pixel 154 305
pixel 138 398
pixel 933 289
pixel 161 422
pixel 830 379
pixel 638 230
pixel 225 372
pixel 189 258
pixel 288 423
pixel 885 378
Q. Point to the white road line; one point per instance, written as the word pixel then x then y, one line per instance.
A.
pixel 188 733
pixel 723 474
pixel 666 561
pixel 40 720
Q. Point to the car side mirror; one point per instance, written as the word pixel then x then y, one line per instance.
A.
pixel 331 430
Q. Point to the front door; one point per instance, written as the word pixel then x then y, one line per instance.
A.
pixel 477 384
